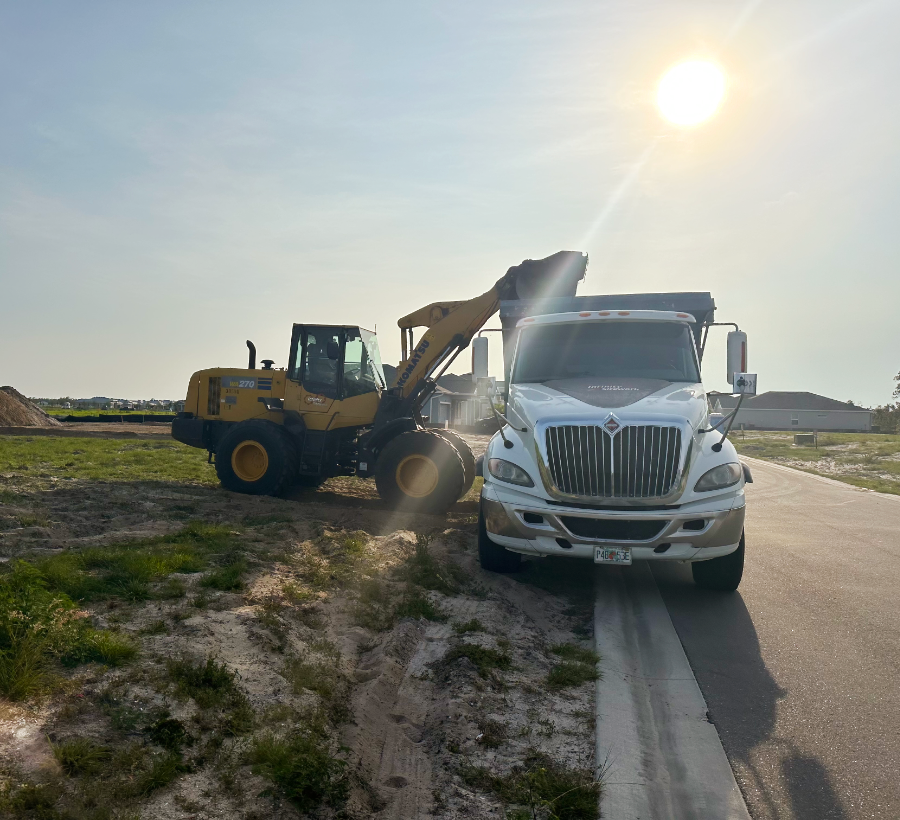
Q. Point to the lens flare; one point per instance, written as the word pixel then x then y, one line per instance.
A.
pixel 690 92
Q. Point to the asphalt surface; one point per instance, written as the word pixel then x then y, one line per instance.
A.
pixel 801 667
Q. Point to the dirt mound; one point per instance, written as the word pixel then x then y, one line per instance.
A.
pixel 17 411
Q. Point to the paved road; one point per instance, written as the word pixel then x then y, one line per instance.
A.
pixel 801 668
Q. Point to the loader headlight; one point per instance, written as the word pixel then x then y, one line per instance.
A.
pixel 719 477
pixel 509 472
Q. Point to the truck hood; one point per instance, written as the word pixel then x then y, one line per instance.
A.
pixel 593 397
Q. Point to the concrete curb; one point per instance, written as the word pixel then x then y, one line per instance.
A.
pixel 659 756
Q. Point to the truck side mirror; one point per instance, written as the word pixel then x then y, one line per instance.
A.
pixel 737 354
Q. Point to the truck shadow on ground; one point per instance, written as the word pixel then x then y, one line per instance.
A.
pixel 722 645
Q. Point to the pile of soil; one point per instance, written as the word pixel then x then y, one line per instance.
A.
pixel 17 411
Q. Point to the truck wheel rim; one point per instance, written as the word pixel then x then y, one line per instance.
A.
pixel 249 461
pixel 417 476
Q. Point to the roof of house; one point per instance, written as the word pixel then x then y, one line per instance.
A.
pixel 789 400
pixel 457 384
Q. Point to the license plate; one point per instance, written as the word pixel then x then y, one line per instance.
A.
pixel 612 555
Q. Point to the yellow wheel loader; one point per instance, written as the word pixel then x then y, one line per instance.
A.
pixel 330 412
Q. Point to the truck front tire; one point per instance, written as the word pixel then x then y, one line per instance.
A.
pixel 257 458
pixel 491 556
pixel 721 574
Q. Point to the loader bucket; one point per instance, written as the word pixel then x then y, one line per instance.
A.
pixel 554 277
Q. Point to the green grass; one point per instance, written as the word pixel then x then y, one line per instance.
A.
pixel 473 625
pixel 324 679
pixel 540 787
pixel 425 570
pixel 213 687
pixel 80 755
pixel 484 660
pixel 569 673
pixel 228 577
pixel 133 571
pixel 112 460
pixel 208 682
pixel 863 459
pixel 416 605
pixel 573 652
pixel 303 767
pixel 40 626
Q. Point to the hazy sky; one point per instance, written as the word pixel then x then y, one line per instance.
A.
pixel 177 177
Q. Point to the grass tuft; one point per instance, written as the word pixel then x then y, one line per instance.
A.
pixel 213 686
pixel 543 787
pixel 573 652
pixel 38 626
pixel 473 625
pixel 303 768
pixel 485 660
pixel 424 570
pixel 80 755
pixel 568 673
pixel 416 605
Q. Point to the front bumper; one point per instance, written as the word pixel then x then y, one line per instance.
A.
pixel 673 534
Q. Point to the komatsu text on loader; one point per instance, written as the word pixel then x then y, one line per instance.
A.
pixel 330 412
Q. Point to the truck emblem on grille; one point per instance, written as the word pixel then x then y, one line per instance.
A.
pixel 611 425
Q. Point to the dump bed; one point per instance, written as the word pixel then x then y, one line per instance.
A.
pixel 700 305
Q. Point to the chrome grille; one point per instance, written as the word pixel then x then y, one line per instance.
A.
pixel 636 462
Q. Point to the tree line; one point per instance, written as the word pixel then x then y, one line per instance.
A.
pixel 887 417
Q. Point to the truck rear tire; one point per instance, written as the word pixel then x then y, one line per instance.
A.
pixel 420 472
pixel 721 574
pixel 465 453
pixel 491 556
pixel 257 458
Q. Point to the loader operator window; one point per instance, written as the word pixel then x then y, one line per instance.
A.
pixel 604 350
pixel 360 371
pixel 321 361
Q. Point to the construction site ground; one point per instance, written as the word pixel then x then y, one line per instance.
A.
pixel 173 650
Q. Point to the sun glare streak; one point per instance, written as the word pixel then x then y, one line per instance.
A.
pixel 690 92
pixel 617 195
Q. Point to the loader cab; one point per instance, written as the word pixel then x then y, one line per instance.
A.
pixel 335 362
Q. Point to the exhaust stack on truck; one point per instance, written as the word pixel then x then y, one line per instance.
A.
pixel 609 453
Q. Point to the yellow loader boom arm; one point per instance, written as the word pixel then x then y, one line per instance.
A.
pixel 451 325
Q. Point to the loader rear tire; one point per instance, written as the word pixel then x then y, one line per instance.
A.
pixel 465 453
pixel 420 472
pixel 257 458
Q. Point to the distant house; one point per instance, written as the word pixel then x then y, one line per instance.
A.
pixel 455 402
pixel 783 410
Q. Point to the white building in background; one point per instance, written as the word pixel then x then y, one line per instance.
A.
pixel 780 410
pixel 456 403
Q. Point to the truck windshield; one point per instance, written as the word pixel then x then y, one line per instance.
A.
pixel 649 350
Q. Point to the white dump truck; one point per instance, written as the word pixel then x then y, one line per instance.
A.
pixel 607 449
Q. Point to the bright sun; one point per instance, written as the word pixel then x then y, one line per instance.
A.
pixel 690 92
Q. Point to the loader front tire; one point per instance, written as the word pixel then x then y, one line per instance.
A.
pixel 465 453
pixel 420 472
pixel 257 458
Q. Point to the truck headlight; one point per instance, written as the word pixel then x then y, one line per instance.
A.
pixel 719 477
pixel 509 472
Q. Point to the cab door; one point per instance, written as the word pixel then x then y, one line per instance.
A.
pixel 314 373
